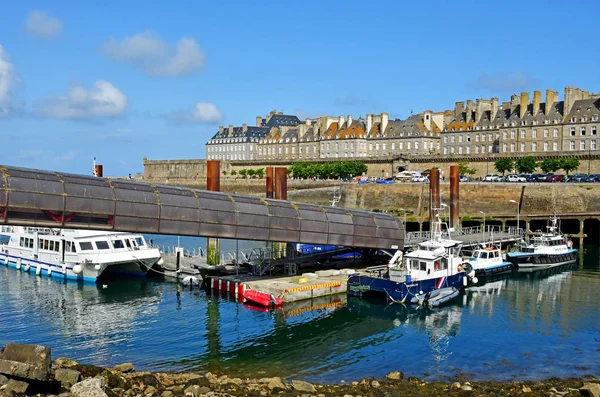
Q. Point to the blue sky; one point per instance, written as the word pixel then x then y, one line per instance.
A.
pixel 124 80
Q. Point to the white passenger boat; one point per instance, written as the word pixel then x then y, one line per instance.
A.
pixel 75 254
pixel 544 250
pixel 488 261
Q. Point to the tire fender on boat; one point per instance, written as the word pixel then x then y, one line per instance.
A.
pixel 26 268
pixel 459 268
pixel 19 261
pixel 49 272
pixel 77 268
pixel 38 271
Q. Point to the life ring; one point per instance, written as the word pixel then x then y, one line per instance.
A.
pixel 459 268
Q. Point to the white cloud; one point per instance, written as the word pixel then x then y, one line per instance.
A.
pixel 155 56
pixel 102 100
pixel 203 112
pixel 8 79
pixel 42 25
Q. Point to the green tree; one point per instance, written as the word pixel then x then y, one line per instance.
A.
pixel 260 173
pixel 251 173
pixel 504 164
pixel 549 165
pixel 224 172
pixel 463 168
pixel 526 165
pixel 234 172
pixel 569 164
pixel 243 173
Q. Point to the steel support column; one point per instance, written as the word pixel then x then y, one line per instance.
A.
pixel 454 194
pixel 281 183
pixel 269 186
pixel 434 194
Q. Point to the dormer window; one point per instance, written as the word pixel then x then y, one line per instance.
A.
pixel 573 119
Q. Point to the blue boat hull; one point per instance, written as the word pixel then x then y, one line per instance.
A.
pixel 526 261
pixel 359 285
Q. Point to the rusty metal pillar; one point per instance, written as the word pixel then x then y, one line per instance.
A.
pixel 454 189
pixel 434 193
pixel 269 182
pixel 98 170
pixel 213 184
pixel 213 175
pixel 281 183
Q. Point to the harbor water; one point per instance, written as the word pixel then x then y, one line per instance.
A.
pixel 532 326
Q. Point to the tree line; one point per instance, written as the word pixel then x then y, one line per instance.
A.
pixel 334 170
pixel 528 165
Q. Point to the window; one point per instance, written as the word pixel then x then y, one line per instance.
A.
pixel 512 147
pixel 593 130
pixel 482 149
pixel 522 146
pixel 545 146
pixel 476 138
pixel 555 146
pixel 593 145
pixel 51 248
pixel 86 245
pixel 582 131
pixel 513 134
pixel 460 139
pixel 572 131
pixel 556 132
pixel 571 145
pixel 102 245
pixel 504 148
pixel 451 139
pixel 504 135
pixel 581 145
pixel 468 150
pixel 534 134
pixel 476 149
pixel 523 134
pixel 534 147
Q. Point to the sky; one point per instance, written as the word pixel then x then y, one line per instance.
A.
pixel 122 80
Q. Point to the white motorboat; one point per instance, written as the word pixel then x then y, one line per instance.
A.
pixel 488 261
pixel 76 254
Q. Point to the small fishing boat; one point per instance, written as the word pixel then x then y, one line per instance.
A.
pixel 544 250
pixel 488 261
pixel 262 298
pixel 434 265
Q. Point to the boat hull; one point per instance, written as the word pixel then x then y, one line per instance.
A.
pixel 359 285
pixel 504 268
pixel 529 262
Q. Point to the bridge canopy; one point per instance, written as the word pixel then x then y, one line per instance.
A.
pixel 39 198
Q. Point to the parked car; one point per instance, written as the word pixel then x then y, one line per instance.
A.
pixel 500 178
pixel 555 178
pixel 420 178
pixel 490 177
pixel 544 178
pixel 526 176
pixel 577 178
pixel 592 178
pixel 463 178
pixel 515 178
pixel 534 178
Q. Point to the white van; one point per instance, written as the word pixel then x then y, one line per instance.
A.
pixel 407 175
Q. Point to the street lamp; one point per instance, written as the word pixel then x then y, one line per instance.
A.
pixel 483 231
pixel 518 213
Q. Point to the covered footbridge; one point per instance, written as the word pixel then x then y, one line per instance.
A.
pixel 39 198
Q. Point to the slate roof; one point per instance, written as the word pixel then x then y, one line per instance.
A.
pixel 584 108
pixel 412 126
pixel 283 120
pixel 238 132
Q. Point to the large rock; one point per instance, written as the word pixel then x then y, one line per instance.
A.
pixel 67 377
pixel 590 390
pixel 299 385
pixel 26 361
pixel 125 367
pixel 3 380
pixel 63 362
pixel 196 391
pixel 92 387
pixel 16 386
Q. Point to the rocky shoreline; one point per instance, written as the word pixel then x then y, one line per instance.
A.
pixel 27 370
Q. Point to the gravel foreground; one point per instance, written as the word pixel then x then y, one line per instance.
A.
pixel 80 380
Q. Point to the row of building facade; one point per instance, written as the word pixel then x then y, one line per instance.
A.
pixel 484 127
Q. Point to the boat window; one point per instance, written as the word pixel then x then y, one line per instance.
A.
pixel 437 265
pixel 68 246
pixel 86 245
pixel 140 241
pixel 51 246
pixel 57 246
pixel 414 264
pixel 128 244
pixel 118 244
pixel 494 254
pixel 102 245
pixel 484 255
pixel 423 266
pixel 444 263
pixel 22 242
pixel 133 243
pixel 46 244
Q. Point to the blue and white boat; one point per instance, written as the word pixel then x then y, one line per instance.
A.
pixel 435 264
pixel 544 250
pixel 76 254
pixel 488 261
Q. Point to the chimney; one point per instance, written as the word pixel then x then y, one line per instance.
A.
pixel 271 114
pixel 570 98
pixel 427 119
pixel 230 130
pixel 280 113
pixel 469 111
pixel 258 121
pixel 514 102
pixel 244 128
pixel 459 108
pixel 349 120
pixel 369 123
pixel 537 99
pixel 221 129
pixel 308 121
pixel 478 110
pixel 494 109
pixel 302 128
pixel 384 122
pixel 550 100
pixel 523 104
pixel 341 120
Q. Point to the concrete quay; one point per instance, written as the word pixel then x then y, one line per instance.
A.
pixel 288 288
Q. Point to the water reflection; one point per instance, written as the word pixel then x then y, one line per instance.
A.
pixel 528 325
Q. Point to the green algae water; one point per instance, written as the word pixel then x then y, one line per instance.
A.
pixel 524 327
